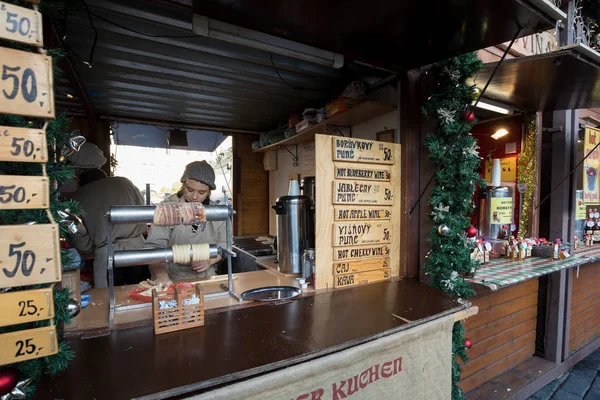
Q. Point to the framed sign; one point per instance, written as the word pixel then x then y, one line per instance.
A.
pixel 23 192
pixel 363 173
pixel 23 145
pixel 29 255
pixel 361 277
pixel 353 213
pixel 356 253
pixel 26 306
pixel 21 25
pixel 26 84
pixel 349 267
pixel 360 192
pixel 27 345
pixel 359 150
pixel 591 166
pixel 361 233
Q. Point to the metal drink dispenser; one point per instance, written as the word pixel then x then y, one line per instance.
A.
pixel 295 231
pixel 493 227
pixel 579 223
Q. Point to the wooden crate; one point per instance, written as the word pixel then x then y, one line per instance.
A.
pixel 179 316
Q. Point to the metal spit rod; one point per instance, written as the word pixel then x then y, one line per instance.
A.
pixel 128 258
pixel 140 214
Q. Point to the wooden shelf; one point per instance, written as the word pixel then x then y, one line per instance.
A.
pixel 354 116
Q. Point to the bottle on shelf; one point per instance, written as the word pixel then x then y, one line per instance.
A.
pixel 556 249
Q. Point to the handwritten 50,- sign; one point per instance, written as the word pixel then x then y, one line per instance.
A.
pixel 20 24
pixel 26 306
pixel 26 84
pixel 29 255
pixel 26 345
pixel 23 145
pixel 23 192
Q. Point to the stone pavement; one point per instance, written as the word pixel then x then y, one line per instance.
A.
pixel 582 382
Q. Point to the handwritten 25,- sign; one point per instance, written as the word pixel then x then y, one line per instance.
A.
pixel 20 24
pixel 29 255
pixel 26 306
pixel 26 84
pixel 26 345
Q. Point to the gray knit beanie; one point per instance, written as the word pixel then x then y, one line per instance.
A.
pixel 200 171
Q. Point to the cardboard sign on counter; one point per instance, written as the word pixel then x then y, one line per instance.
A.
pixel 360 192
pixel 359 150
pixel 361 277
pixel 23 144
pixel 26 345
pixel 353 213
pixel 26 84
pixel 361 233
pixel 349 267
pixel 21 25
pixel 29 255
pixel 366 173
pixel 19 192
pixel 26 306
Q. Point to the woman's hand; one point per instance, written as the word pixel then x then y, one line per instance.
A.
pixel 201 266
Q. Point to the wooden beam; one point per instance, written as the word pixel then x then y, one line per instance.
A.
pixel 464 314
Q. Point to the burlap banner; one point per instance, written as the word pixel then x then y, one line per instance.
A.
pixel 412 364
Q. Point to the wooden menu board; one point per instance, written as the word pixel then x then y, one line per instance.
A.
pixel 23 144
pixel 29 344
pixel 358 221
pixel 20 24
pixel 26 306
pixel 26 84
pixel 29 255
pixel 18 192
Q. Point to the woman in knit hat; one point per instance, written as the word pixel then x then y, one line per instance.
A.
pixel 197 181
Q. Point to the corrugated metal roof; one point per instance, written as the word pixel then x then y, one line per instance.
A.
pixel 165 72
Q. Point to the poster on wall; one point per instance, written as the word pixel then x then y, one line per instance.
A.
pixel 591 193
pixel 501 210
pixel 509 169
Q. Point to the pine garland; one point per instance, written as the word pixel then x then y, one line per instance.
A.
pixel 454 153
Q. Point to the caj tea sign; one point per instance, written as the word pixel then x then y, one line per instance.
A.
pixel 591 192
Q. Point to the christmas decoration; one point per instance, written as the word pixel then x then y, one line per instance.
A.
pixel 454 75
pixel 446 116
pixel 73 145
pixel 468 343
pixel 526 167
pixel 18 393
pixel 471 231
pixel 72 222
pixel 74 307
pixel 469 117
pixel 8 380
pixel 443 230
pixel 453 152
pixel 438 212
pixel 475 93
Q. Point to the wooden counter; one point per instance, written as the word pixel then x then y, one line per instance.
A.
pixel 233 345
pixel 584 323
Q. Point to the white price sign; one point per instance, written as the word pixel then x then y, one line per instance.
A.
pixel 20 24
pixel 26 84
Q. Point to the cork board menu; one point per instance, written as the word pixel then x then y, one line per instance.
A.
pixel 358 212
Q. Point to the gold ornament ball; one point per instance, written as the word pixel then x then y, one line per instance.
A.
pixel 475 93
pixel 443 230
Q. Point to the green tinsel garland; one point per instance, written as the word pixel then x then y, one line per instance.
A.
pixel 454 154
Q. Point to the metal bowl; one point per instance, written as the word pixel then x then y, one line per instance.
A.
pixel 271 293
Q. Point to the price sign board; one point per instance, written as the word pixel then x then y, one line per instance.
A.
pixel 361 233
pixel 23 192
pixel 358 150
pixel 26 306
pixel 23 144
pixel 26 84
pixel 360 192
pixel 29 255
pixel 356 253
pixel 350 267
pixel 351 213
pixel 363 173
pixel 21 25
pixel 361 277
pixel 27 345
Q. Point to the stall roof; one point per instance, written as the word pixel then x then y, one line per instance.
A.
pixel 157 136
pixel 148 64
pixel 401 34
pixel 566 79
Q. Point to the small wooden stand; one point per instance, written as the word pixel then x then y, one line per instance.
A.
pixel 181 316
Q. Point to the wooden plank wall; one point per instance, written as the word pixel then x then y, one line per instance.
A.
pixel 585 306
pixel 251 188
pixel 502 334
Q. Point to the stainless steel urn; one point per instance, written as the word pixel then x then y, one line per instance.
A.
pixel 295 231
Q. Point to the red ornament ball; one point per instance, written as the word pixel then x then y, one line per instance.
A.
pixel 9 378
pixel 471 231
pixel 468 343
pixel 469 116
